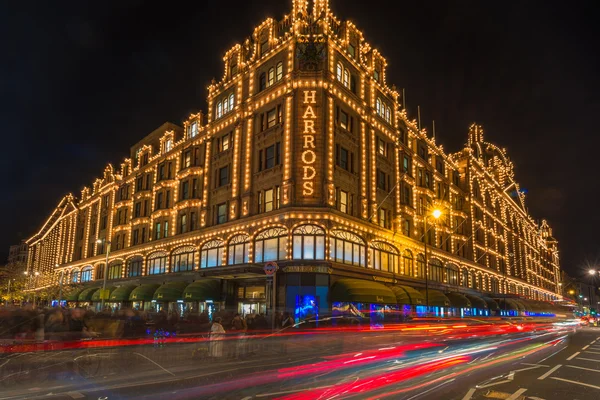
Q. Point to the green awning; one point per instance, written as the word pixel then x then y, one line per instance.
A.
pixel 477 302
pixel 492 304
pixel 143 292
pixel 86 294
pixel 521 304
pixel 122 293
pixel 408 295
pixel 170 291
pixel 509 305
pixel 458 300
pixel 96 295
pixel 74 295
pixel 348 290
pixel 436 298
pixel 202 290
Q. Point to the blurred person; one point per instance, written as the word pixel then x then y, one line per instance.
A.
pixel 56 327
pixel 238 325
pixel 217 333
pixel 78 328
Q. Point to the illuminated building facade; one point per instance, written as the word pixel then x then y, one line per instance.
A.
pixel 305 157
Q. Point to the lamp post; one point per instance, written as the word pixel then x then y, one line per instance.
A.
pixel 26 273
pixel 8 294
pixel 435 214
pixel 99 241
pixel 35 276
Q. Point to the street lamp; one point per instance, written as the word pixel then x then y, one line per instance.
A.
pixel 436 213
pixel 100 241
pixel 592 272
pixel 60 285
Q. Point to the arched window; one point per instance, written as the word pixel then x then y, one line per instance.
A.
pixel 211 254
pixel 115 270
pixel 479 282
pixel 219 110
pixel 378 106
pixel 384 257
pixel 75 276
pixel 134 266
pixel 100 272
pixel 271 76
pixel 86 274
pixel 472 280
pixel 346 78
pixel 436 270
pixel 494 285
pixel 388 114
pixel 340 71
pixel 157 263
pixel 347 248
pixel 420 270
pixel 270 245
pixel 225 106
pixel 408 263
pixel 452 274
pixel 464 278
pixel 182 259
pixel 279 71
pixel 237 252
pixel 231 101
pixel 309 243
pixel 262 82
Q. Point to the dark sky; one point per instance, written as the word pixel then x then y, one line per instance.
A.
pixel 82 81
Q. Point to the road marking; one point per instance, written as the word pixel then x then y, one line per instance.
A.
pixel 587 369
pixel 541 365
pixel 547 374
pixel 575 382
pixel 429 390
pixel 516 394
pixel 534 398
pixel 494 384
pixel 588 359
pixel 553 354
pixel 593 352
pixel 585 347
pixel 469 394
pixel 573 356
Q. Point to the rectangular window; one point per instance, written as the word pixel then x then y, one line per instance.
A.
pixel 382 218
pixel 139 184
pixel 138 209
pixel 183 223
pixel 382 147
pixel 223 176
pixel 420 208
pixel 264 47
pixel 136 236
pixel 222 213
pixel 166 231
pixel 271 118
pixel 194 188
pixel 344 120
pixel 381 179
pixel 143 237
pixel 105 201
pixel 159 201
pixel 146 203
pixel 406 195
pixel 352 50
pixel 376 75
pixel 344 158
pixel 187 159
pixel 185 190
pixel 269 200
pixel 193 130
pixel 104 222
pixel 157 231
pixel 406 165
pixel 161 172
pixel 406 227
pixel 224 143
pixel 167 198
pixel 343 201
pixel 270 157
pixel 148 178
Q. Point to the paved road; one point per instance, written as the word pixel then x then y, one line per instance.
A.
pixel 438 362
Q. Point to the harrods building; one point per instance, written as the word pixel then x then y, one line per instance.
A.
pixel 305 157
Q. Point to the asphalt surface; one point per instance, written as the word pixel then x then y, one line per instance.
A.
pixel 548 362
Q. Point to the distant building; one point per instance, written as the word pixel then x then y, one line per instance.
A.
pixel 18 253
pixel 305 157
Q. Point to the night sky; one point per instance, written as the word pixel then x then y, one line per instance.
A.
pixel 82 81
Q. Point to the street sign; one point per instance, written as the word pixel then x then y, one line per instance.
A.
pixel 270 268
pixel 104 294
